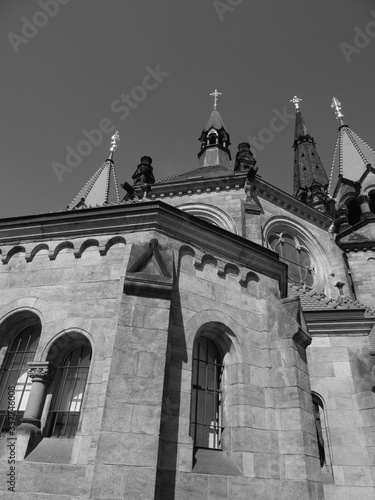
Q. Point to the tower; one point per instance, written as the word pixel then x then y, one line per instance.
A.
pixel 214 140
pixel 352 176
pixel 310 178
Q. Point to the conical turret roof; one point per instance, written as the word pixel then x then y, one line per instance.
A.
pixel 102 188
pixel 308 168
pixel 215 121
pixel 351 157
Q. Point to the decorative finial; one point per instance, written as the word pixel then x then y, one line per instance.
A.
pixel 115 138
pixel 336 105
pixel 215 96
pixel 296 100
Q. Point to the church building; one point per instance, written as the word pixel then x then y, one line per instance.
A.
pixel 202 336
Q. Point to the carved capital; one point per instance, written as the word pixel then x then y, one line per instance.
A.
pixel 43 371
pixel 363 198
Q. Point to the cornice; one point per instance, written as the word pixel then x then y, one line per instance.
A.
pixel 291 204
pixel 146 216
pixel 202 185
pixel 197 184
pixel 349 322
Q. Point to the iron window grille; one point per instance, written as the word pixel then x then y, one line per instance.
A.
pixel 14 375
pixel 206 419
pixel 67 404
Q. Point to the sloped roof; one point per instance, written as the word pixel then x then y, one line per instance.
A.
pixel 351 157
pixel 195 173
pixel 311 300
pixel 100 190
pixel 215 120
pixel 300 127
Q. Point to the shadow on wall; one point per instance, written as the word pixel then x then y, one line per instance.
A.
pixel 168 438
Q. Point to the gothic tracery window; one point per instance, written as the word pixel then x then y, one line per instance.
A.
pixel 295 254
pixel 206 400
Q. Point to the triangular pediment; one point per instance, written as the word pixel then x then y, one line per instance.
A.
pixel 149 271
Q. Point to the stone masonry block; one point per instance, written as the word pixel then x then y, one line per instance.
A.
pixel 357 476
pixel 262 465
pixel 345 455
pixel 41 478
pixel 135 390
pixel 128 449
pixel 139 483
pixel 108 482
pixel 111 418
pixel 295 467
pixel 145 420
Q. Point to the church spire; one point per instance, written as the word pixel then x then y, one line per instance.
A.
pixel 102 188
pixel 353 159
pixel 310 178
pixel 214 140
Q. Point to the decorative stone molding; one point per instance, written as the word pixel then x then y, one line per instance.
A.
pixel 30 250
pixel 41 371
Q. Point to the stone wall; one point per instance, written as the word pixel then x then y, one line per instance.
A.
pixel 341 373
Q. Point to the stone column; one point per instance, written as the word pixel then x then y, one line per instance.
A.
pixel 341 221
pixel 363 202
pixel 41 374
pixel 28 432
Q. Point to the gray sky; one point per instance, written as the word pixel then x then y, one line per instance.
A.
pixel 67 68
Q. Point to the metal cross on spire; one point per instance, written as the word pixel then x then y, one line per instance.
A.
pixel 296 100
pixel 114 140
pixel 336 105
pixel 215 96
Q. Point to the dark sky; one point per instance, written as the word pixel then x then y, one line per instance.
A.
pixel 66 71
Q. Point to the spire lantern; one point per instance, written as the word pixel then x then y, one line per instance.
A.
pixel 336 105
pixel 214 140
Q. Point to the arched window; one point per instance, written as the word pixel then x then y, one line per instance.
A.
pixel 371 196
pixel 206 399
pixel 14 375
pixel 354 212
pixel 293 253
pixel 67 402
pixel 321 432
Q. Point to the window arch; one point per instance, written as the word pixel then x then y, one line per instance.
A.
pixel 321 426
pixel 211 214
pixel 301 266
pixel 371 196
pixel 354 211
pixel 68 394
pixel 14 374
pixel 206 396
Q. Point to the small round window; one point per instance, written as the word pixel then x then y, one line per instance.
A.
pixel 293 253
